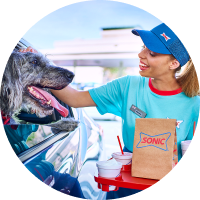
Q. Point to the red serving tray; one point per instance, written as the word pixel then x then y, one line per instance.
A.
pixel 125 180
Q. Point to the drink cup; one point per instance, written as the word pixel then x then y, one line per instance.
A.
pixel 184 146
pixel 125 158
pixel 109 169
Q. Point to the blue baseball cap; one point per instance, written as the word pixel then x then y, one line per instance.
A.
pixel 162 39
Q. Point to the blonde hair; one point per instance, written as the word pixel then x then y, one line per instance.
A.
pixel 188 79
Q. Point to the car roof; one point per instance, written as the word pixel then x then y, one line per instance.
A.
pixel 22 44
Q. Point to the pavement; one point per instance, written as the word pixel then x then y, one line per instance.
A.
pixel 111 130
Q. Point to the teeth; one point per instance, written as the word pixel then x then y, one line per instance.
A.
pixel 49 102
pixel 143 65
pixel 30 88
pixel 37 95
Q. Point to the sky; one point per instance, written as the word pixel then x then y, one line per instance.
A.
pixel 85 20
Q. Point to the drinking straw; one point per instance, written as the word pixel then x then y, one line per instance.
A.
pixel 194 128
pixel 120 145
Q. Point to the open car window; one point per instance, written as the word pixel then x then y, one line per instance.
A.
pixel 26 136
pixel 29 140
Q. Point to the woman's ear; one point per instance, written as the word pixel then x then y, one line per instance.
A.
pixel 174 64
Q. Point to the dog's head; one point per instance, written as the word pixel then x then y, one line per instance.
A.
pixel 26 80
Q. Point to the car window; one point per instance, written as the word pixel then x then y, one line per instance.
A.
pixel 38 136
pixel 26 136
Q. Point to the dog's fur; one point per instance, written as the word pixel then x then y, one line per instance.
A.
pixel 32 69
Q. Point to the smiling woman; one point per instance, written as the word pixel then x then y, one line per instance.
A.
pixel 156 92
pixel 160 67
pixel 171 64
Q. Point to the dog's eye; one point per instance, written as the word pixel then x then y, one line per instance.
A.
pixel 35 62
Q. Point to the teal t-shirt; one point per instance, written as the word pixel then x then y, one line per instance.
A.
pixel 118 96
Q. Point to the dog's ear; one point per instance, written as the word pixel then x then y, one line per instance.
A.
pixel 11 86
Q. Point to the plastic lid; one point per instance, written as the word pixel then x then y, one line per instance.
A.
pixel 187 142
pixel 119 155
pixel 109 164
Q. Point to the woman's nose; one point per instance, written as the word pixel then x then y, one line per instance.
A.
pixel 142 53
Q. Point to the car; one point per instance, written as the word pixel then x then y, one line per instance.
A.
pixel 60 159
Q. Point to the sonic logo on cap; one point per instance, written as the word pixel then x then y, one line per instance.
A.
pixel 165 36
pixel 157 41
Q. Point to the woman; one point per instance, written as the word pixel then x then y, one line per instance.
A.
pixel 157 92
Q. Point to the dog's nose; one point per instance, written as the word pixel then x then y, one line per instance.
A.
pixel 70 75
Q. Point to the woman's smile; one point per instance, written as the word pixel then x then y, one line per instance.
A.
pixel 155 65
pixel 143 66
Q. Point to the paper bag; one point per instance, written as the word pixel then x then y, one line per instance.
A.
pixel 154 148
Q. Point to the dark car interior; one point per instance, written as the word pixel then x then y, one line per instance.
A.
pixel 48 119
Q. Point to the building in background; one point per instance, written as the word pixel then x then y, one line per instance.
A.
pixel 114 55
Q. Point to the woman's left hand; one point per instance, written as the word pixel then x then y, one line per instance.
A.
pixel 28 49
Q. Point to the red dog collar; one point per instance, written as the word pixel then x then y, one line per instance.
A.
pixel 6 121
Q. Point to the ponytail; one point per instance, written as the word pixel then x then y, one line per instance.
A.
pixel 188 80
